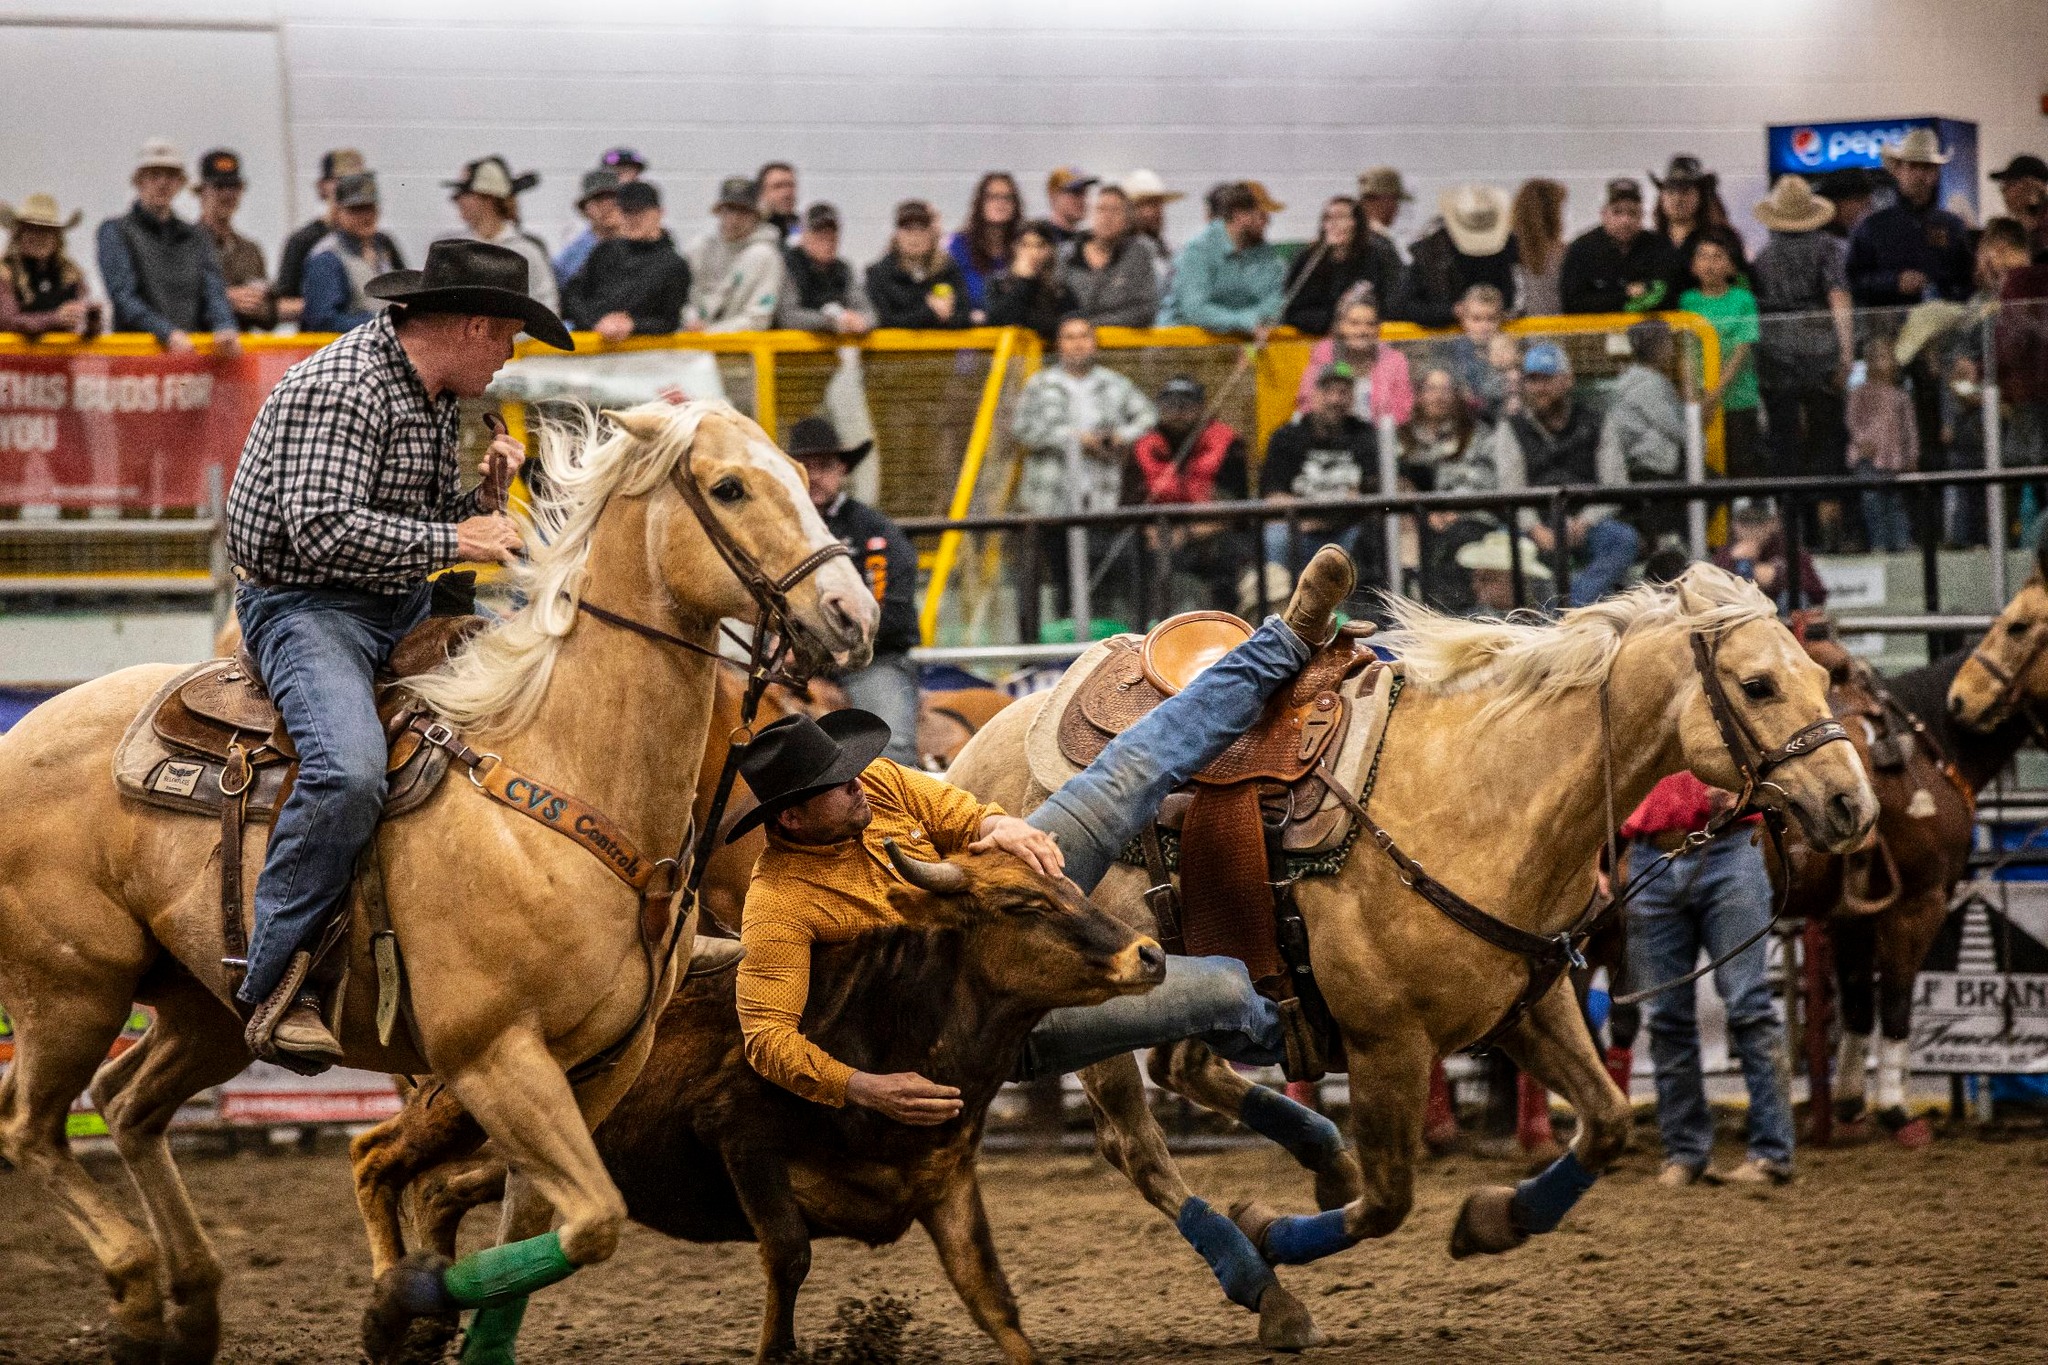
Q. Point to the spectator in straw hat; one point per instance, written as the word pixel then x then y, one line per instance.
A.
pixel 1617 267
pixel 1380 196
pixel 291 261
pixel 634 283
pixel 487 197
pixel 1474 243
pixel 1806 340
pixel 41 287
pixel 241 260
pixel 598 202
pixel 160 271
pixel 736 273
pixel 1230 278
pixel 1149 198
pixel 1486 561
pixel 1912 249
pixel 340 268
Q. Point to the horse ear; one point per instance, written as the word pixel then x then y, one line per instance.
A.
pixel 640 423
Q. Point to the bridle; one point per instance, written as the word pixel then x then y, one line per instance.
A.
pixel 1549 956
pixel 2010 699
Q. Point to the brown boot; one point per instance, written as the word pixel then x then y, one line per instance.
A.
pixel 1321 589
pixel 288 1030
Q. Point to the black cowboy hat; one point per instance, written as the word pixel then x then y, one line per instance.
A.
pixel 473 277
pixel 794 759
pixel 817 436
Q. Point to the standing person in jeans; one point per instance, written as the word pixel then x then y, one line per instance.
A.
pixel 345 499
pixel 1708 901
pixel 888 685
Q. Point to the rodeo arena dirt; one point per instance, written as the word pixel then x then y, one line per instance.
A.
pixel 735 737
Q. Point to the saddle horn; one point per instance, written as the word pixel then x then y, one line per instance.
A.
pixel 941 878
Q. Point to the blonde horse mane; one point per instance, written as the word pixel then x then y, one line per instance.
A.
pixel 1526 659
pixel 496 683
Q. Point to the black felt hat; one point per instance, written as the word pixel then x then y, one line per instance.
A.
pixel 817 436
pixel 473 277
pixel 794 759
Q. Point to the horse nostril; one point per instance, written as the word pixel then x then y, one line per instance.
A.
pixel 1955 707
pixel 1151 957
pixel 1842 811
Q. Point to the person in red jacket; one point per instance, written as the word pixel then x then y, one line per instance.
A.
pixel 1181 460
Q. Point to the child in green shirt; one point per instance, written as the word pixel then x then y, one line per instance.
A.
pixel 1728 304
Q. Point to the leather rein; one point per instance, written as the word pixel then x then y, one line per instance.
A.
pixel 769 654
pixel 1549 956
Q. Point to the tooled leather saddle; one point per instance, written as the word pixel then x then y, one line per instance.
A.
pixel 1261 795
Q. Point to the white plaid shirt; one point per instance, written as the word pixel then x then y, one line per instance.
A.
pixel 349 476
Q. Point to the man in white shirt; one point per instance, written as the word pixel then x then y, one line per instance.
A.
pixel 736 271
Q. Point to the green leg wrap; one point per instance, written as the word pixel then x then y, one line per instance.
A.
pixel 491 1334
pixel 502 1274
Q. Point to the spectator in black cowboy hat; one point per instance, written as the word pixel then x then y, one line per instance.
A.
pixel 1851 190
pixel 487 197
pixel 824 293
pixel 636 283
pixel 1688 204
pixel 241 260
pixel 2023 184
pixel 160 271
pixel 1617 267
pixel 888 685
pixel 339 269
pixel 599 204
pixel 41 288
pixel 291 261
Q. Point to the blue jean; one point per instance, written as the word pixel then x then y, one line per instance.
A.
pixel 1106 805
pixel 1885 521
pixel 888 688
pixel 318 650
pixel 1611 548
pixel 1710 900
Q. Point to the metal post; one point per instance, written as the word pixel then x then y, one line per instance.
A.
pixel 1390 527
pixel 1561 533
pixel 1696 474
pixel 1077 544
pixel 1994 458
pixel 1929 508
pixel 1029 626
pixel 1792 534
pixel 217 548
pixel 1162 569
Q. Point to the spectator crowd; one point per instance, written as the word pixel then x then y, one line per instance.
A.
pixel 1808 383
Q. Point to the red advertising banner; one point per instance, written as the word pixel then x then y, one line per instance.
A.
pixel 127 432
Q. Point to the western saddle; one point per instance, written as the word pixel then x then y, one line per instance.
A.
pixel 1260 799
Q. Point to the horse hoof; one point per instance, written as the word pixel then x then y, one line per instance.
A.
pixel 1339 1183
pixel 1253 1219
pixel 426 1341
pixel 1486 1224
pixel 1284 1325
pixel 194 1334
pixel 123 1349
pixel 1848 1108
pixel 409 1290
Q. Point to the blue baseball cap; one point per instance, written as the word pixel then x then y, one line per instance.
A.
pixel 1546 357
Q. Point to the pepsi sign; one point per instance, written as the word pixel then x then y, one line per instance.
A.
pixel 1814 149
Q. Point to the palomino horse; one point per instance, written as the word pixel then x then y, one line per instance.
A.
pixel 524 952
pixel 1497 768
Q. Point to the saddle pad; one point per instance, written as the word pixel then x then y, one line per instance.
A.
pixel 153 771
pixel 1050 767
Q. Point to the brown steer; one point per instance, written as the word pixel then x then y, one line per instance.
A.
pixel 706 1150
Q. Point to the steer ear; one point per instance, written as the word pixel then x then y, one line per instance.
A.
pixel 643 423
pixel 941 878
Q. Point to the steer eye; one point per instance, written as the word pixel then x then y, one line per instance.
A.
pixel 1759 689
pixel 2015 629
pixel 729 489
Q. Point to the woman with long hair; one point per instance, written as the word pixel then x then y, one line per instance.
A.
pixel 1029 292
pixel 1688 205
pixel 1383 387
pixel 1346 253
pixel 1538 218
pixel 983 246
pixel 916 284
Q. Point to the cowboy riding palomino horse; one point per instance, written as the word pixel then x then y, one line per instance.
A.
pixel 1513 751
pixel 525 956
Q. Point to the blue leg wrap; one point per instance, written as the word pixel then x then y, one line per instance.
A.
pixel 1543 1200
pixel 1239 1268
pixel 1308 1137
pixel 1299 1238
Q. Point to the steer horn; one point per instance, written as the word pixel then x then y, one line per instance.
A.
pixel 941 878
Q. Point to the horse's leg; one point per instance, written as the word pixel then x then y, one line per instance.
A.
pixel 195 1042
pixel 1904 934
pixel 958 1227
pixel 1550 1042
pixel 444 1195
pixel 61 1035
pixel 1129 1139
pixel 1855 947
pixel 431 1129
pixel 761 1182
pixel 1189 1068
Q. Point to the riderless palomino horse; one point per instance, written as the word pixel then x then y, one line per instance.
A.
pixel 1513 750
pixel 526 955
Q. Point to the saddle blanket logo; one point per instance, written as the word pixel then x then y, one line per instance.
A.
pixel 175 778
pixel 536 798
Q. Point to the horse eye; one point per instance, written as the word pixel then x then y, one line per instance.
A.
pixel 729 489
pixel 1759 689
pixel 2016 628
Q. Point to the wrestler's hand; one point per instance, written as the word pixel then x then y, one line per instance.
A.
pixel 905 1097
pixel 1018 839
pixel 485 540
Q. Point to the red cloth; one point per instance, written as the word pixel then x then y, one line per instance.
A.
pixel 2022 332
pixel 1192 481
pixel 1680 803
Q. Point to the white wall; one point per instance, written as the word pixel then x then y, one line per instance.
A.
pixel 880 100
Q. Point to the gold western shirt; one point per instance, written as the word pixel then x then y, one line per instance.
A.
pixel 803 894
